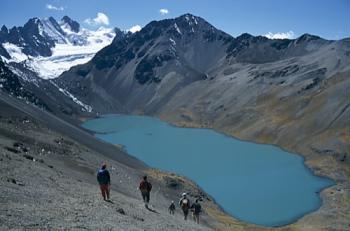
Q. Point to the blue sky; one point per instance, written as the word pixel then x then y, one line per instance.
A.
pixel 326 18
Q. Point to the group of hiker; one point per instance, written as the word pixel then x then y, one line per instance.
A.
pixel 186 206
pixel 145 187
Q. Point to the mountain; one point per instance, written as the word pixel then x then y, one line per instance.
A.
pixel 40 93
pixel 43 49
pixel 70 24
pixel 290 92
pixel 11 84
pixel 49 48
pixel 143 61
pixel 293 93
pixel 31 38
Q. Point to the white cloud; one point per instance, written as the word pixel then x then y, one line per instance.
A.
pixel 135 28
pixel 164 11
pixel 280 35
pixel 101 19
pixel 52 7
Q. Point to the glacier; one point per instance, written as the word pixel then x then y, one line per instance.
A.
pixel 71 48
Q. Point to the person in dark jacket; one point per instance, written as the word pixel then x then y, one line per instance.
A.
pixel 104 180
pixel 185 205
pixel 196 210
pixel 172 208
pixel 145 188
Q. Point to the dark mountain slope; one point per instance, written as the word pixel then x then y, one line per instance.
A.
pixel 131 69
pixel 74 25
pixel 41 93
pixel 259 49
pixel 11 84
pixel 30 37
pixel 143 71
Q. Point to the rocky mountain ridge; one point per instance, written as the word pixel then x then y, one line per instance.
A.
pixel 43 49
pixel 48 47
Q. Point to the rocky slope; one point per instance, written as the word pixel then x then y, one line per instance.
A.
pixel 47 181
pixel 40 93
pixel 165 55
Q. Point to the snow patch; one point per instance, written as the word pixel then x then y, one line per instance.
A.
pixel 195 20
pixel 51 31
pixel 41 30
pixel 64 56
pixel 177 28
pixel 22 75
pixel 172 42
pixel 4 59
pixel 85 107
pixel 52 67
pixel 15 52
pixel 172 48
pixel 71 48
pixel 79 48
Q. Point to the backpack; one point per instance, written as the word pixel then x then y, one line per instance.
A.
pixel 197 208
pixel 172 207
pixel 102 176
pixel 185 203
pixel 145 186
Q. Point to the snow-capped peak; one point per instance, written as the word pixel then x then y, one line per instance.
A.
pixel 53 30
pixel 71 45
pixel 70 24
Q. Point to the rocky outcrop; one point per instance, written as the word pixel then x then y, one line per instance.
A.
pixel 73 25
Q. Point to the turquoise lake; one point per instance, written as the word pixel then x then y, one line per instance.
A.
pixel 256 183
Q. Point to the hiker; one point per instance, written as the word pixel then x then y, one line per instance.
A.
pixel 185 205
pixel 104 180
pixel 145 188
pixel 196 210
pixel 172 208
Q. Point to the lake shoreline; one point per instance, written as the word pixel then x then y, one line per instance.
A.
pixel 179 125
pixel 332 197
